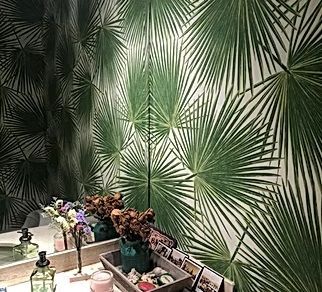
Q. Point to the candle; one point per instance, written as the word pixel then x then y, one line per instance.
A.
pixel 102 281
pixel 59 244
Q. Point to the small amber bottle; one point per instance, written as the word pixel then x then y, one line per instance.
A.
pixel 26 249
pixel 42 278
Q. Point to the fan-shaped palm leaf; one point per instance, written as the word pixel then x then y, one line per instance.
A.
pixel 26 15
pixel 146 19
pixel 226 35
pixel 162 185
pixel 289 243
pixel 70 188
pixel 88 172
pixel 84 91
pixel 28 176
pixel 134 175
pixel 111 135
pixel 27 122
pixel 7 34
pixel 9 150
pixel 171 89
pixel 225 151
pixel 13 210
pixel 23 67
pixel 210 247
pixel 66 61
pixel 110 48
pixel 86 21
pixel 291 99
pixel 134 91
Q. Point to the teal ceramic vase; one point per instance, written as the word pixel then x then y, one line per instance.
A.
pixel 134 254
pixel 104 230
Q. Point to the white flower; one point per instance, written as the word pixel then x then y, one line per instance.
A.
pixel 72 222
pixel 60 220
pixel 71 213
pixel 51 211
pixel 59 203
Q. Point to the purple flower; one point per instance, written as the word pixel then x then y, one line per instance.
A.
pixel 67 207
pixel 87 230
pixel 80 216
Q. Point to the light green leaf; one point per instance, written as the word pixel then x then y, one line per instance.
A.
pixel 229 39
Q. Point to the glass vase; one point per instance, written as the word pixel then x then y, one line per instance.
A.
pixel 134 254
pixel 104 230
pixel 62 241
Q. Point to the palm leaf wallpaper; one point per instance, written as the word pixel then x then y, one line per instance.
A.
pixel 208 111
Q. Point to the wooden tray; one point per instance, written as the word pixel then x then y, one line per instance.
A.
pixel 112 260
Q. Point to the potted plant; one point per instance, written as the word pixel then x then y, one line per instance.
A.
pixel 134 228
pixel 101 206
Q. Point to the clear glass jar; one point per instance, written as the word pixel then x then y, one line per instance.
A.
pixel 102 281
pixel 59 241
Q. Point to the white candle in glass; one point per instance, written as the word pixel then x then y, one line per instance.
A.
pixel 102 281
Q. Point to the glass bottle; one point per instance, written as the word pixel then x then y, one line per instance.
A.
pixel 42 278
pixel 26 249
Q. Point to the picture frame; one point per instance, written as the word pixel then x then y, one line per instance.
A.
pixel 177 257
pixel 163 250
pixel 209 281
pixel 192 268
pixel 157 235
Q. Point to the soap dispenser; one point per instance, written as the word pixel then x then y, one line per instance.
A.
pixel 43 277
pixel 26 249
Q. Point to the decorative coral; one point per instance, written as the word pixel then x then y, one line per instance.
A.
pixel 132 224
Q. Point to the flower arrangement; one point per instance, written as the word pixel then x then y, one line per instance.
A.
pixel 132 224
pixel 70 217
pixel 102 206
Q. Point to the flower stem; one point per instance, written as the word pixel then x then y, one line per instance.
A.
pixel 65 239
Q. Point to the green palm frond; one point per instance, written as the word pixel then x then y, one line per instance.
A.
pixel 133 100
pixel 61 10
pixel 171 194
pixel 84 92
pixel 28 176
pixel 111 136
pixel 27 122
pixel 89 173
pixel 13 210
pixel 226 35
pixel 26 15
pixel 134 175
pixel 8 97
pixel 167 193
pixel 225 148
pixel 289 243
pixel 66 61
pixel 211 248
pixel 69 187
pixel 160 19
pixel 110 48
pixel 23 67
pixel 172 89
pixel 86 21
pixel 9 151
pixel 291 99
pixel 7 34
pixel 64 128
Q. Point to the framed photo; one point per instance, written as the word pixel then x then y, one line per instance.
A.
pixel 156 235
pixel 209 281
pixel 192 268
pixel 177 257
pixel 163 250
